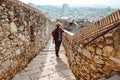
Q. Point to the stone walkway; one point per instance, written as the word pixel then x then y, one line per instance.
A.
pixel 46 66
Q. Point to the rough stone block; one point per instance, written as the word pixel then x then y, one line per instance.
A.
pixel 13 27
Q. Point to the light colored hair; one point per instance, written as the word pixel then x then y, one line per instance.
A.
pixel 58 24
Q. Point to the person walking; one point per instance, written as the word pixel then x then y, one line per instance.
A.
pixel 57 37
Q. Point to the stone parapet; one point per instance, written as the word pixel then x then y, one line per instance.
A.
pixel 94 52
pixel 24 32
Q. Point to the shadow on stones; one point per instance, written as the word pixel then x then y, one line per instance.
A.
pixel 63 70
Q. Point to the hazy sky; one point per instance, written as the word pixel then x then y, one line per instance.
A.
pixel 111 3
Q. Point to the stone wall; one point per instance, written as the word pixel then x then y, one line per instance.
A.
pixel 94 55
pixel 24 31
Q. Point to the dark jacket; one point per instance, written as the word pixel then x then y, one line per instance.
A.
pixel 55 34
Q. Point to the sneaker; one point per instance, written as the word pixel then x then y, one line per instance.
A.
pixel 57 55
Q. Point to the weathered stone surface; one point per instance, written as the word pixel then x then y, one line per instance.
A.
pixel 93 68
pixel 79 50
pixel 90 48
pixel 4 30
pixel 4 16
pixel 18 52
pixel 109 41
pixel 13 27
pixel 98 51
pixel 25 23
pixel 117 54
pixel 19 42
pixel 116 39
pixel 115 59
pixel 108 50
pixel 1 36
pixel 101 38
pixel 81 45
pixel 11 15
pixel 108 35
pixel 97 59
pixel 86 53
pixel 1 8
pixel 6 64
pixel 14 63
